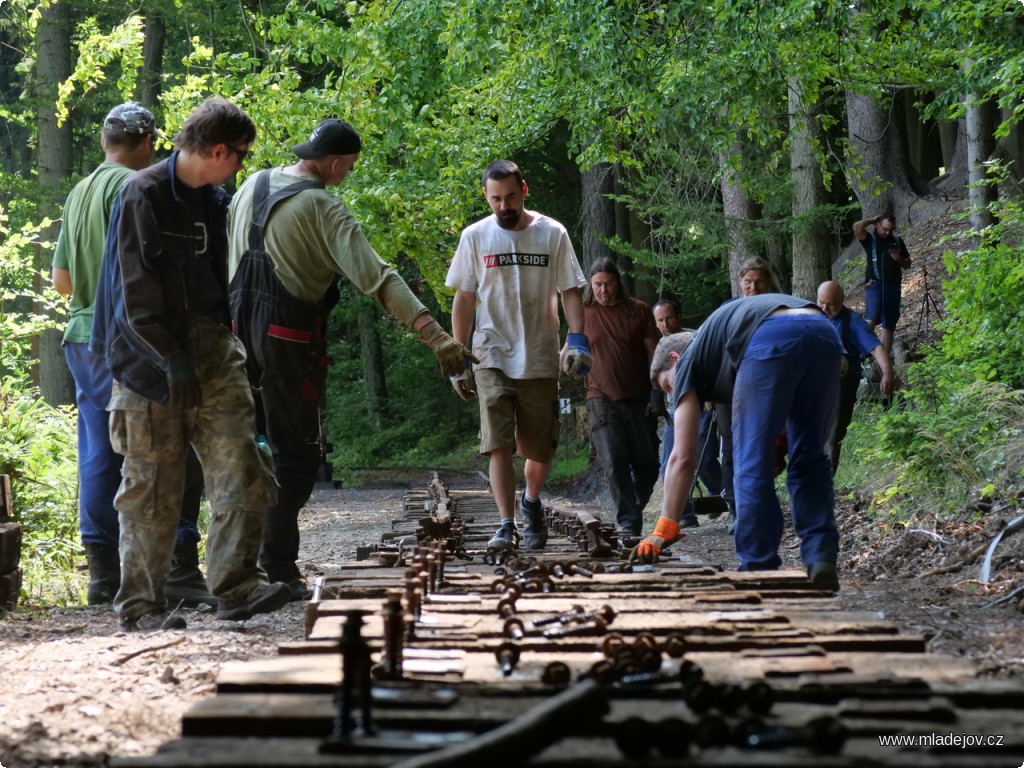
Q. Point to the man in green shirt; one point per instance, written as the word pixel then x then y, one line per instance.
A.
pixel 290 241
pixel 127 140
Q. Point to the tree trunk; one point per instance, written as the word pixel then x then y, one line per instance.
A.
pixel 374 381
pixel 739 212
pixel 631 229
pixel 954 157
pixel 878 165
pixel 598 216
pixel 812 244
pixel 1010 150
pixel 980 119
pixel 152 60
pixel 53 65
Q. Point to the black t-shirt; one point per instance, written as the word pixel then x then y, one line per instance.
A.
pixel 877 249
pixel 709 364
pixel 209 299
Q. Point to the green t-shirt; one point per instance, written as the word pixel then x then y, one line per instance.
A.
pixel 83 233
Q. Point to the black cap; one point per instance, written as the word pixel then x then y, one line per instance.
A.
pixel 331 137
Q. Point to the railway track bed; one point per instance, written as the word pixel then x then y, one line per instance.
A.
pixel 417 655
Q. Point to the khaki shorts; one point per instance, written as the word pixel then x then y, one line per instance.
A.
pixel 518 413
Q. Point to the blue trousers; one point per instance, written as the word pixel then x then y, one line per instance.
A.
pixel 788 377
pixel 99 466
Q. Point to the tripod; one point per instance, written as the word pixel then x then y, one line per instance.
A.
pixel 924 321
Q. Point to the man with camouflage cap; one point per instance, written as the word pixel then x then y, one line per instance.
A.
pixel 127 142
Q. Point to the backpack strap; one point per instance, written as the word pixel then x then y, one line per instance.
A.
pixel 262 205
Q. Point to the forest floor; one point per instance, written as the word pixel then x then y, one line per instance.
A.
pixel 75 689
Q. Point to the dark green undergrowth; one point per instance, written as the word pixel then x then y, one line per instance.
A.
pixel 38 450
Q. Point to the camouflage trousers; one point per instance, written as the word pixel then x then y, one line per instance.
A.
pixel 153 439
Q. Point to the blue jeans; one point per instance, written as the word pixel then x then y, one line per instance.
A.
pixel 99 466
pixel 788 377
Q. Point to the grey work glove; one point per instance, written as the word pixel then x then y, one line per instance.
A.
pixel 185 392
pixel 451 355
pixel 463 383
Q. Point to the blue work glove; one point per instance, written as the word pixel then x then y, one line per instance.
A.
pixel 463 383
pixel 656 405
pixel 185 392
pixel 577 355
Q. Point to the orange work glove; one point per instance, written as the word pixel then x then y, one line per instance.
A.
pixel 665 532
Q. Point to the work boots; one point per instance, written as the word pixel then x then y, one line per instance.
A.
pixel 104 574
pixel 536 536
pixel 185 584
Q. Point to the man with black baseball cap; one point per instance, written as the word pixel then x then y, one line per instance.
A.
pixel 127 142
pixel 331 137
pixel 284 268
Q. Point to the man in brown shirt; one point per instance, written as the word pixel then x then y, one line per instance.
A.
pixel 623 423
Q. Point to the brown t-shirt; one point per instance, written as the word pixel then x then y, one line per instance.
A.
pixel 617 334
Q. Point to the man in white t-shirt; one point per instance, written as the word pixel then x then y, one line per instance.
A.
pixel 508 273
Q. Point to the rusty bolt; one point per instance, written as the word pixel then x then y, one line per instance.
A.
pixel 594 626
pixel 612 643
pixel 556 673
pixel 507 656
pixel 675 645
pixel 575 569
pixel 514 628
pixel 645 640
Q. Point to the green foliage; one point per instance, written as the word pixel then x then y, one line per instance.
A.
pixel 96 51
pixel 38 450
pixel 983 332
pixel 933 449
pixel 25 310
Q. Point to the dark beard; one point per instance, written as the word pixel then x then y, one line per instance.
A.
pixel 508 219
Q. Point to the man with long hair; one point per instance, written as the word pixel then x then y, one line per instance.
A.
pixel 621 405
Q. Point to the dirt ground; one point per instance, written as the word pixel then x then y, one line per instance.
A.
pixel 74 689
